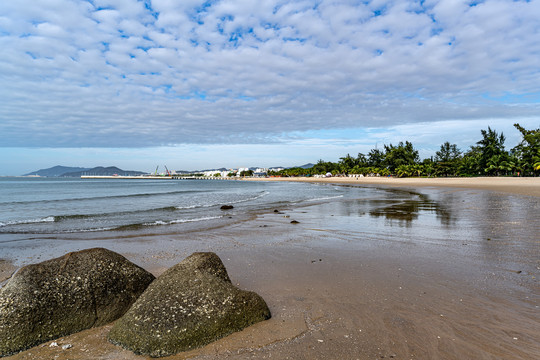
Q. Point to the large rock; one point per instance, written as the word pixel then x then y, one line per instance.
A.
pixel 188 306
pixel 65 295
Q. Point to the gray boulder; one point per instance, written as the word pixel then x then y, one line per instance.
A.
pixel 188 306
pixel 65 295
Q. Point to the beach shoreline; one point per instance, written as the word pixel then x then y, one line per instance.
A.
pixel 340 290
pixel 529 186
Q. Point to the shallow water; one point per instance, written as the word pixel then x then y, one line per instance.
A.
pixel 53 206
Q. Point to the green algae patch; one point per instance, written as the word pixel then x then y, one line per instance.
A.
pixel 190 305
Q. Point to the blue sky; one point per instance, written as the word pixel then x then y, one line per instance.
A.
pixel 200 84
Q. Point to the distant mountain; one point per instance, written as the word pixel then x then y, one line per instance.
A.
pixel 55 171
pixel 103 171
pixel 220 169
pixel 306 166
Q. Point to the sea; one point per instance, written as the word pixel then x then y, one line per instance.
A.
pixel 72 205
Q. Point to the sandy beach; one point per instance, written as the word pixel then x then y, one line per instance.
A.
pixel 449 282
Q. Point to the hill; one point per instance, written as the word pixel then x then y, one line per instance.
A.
pixel 103 171
pixel 55 171
pixel 306 166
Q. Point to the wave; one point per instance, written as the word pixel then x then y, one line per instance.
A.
pixel 128 226
pixel 325 198
pixel 59 218
pixel 70 217
pixel 102 197
pixel 181 221
pixel 263 193
pixel 161 222
pixel 28 221
pixel 105 221
pixel 63 218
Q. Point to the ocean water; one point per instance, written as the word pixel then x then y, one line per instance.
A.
pixel 65 205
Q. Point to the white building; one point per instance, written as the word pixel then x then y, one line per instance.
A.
pixel 213 173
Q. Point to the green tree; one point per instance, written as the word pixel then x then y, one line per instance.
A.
pixel 447 159
pixel 410 170
pixel 404 171
pixel 361 160
pixel 346 163
pixel 375 158
pixel 417 169
pixel 323 167
pixel 501 164
pixel 536 165
pixel 448 152
pixel 527 151
pixel 492 144
pixel 402 154
pixel 429 167
pixel 246 173
pixel 470 162
pixel 383 172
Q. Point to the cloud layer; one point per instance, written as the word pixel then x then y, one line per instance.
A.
pixel 129 73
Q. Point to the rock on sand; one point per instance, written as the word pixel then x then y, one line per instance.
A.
pixel 188 306
pixel 65 295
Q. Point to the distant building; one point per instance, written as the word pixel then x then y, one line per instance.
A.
pixel 260 174
pixel 215 173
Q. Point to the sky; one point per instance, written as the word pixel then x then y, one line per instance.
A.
pixel 197 84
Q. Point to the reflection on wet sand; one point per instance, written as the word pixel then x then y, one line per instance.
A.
pixel 400 205
pixel 405 207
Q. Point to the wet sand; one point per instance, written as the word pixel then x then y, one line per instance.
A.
pixel 516 185
pixel 6 269
pixel 374 286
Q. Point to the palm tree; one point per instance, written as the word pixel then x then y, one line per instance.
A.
pixel 536 159
pixel 418 169
pixel 404 171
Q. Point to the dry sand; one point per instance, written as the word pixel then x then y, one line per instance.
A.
pixel 335 293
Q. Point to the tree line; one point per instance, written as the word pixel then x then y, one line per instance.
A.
pixel 488 157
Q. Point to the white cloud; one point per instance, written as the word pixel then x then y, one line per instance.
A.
pixel 78 73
